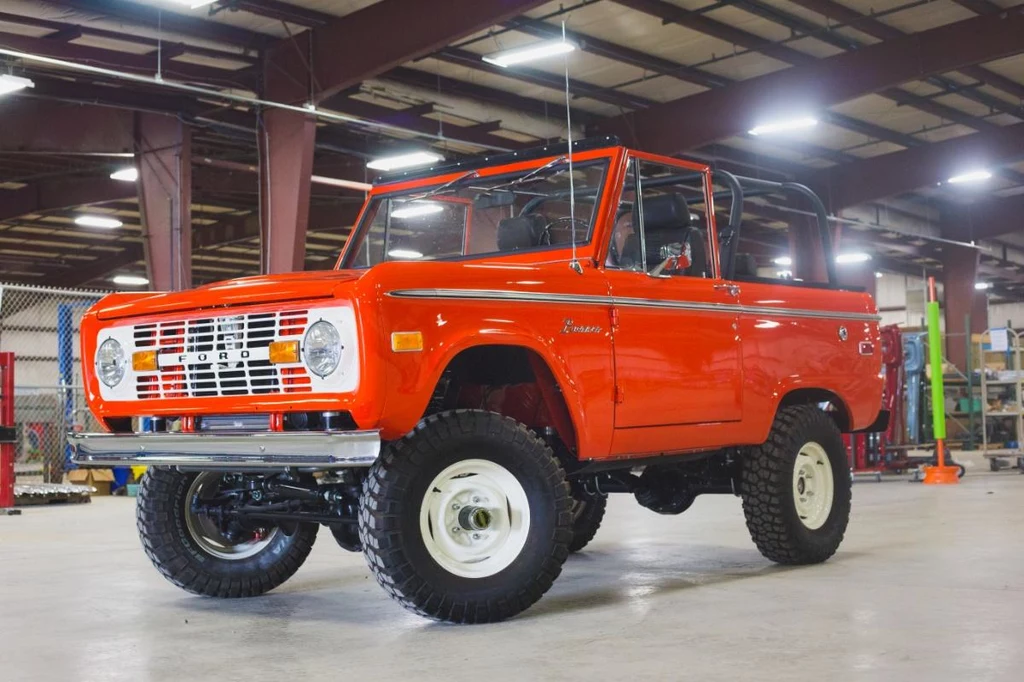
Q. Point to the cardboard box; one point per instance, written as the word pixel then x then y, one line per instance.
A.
pixel 100 479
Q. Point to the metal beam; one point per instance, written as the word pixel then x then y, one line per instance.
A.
pixel 165 199
pixel 61 194
pixel 286 146
pixel 904 171
pixel 101 267
pixel 126 61
pixel 718 114
pixel 171 22
pixel 364 44
pixel 31 125
pixel 959 273
pixel 873 27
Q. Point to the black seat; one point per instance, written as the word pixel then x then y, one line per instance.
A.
pixel 521 232
pixel 667 221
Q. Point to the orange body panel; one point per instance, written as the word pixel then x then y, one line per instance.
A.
pixel 644 365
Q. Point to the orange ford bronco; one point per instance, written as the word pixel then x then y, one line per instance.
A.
pixel 504 343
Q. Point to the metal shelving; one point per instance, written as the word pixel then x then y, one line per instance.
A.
pixel 1009 417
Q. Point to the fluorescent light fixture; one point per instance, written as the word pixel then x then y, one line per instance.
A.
pixel 9 83
pixel 982 286
pixel 130 174
pixel 97 221
pixel 972 176
pixel 416 209
pixel 130 280
pixel 878 275
pixel 389 163
pixel 783 260
pixel 192 4
pixel 855 257
pixel 547 48
pixel 405 254
pixel 784 126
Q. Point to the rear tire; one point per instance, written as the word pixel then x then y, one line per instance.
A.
pixel 587 514
pixel 467 519
pixel 796 490
pixel 187 550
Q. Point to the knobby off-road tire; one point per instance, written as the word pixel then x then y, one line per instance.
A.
pixel 173 539
pixel 588 512
pixel 456 472
pixel 788 525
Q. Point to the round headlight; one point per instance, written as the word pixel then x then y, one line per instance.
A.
pixel 110 362
pixel 321 348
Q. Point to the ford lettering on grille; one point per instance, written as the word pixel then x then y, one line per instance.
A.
pixel 220 356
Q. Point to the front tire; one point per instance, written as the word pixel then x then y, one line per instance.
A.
pixel 796 488
pixel 193 553
pixel 467 519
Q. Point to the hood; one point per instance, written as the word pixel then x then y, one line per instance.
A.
pixel 297 286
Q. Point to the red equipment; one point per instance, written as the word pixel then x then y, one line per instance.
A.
pixel 7 433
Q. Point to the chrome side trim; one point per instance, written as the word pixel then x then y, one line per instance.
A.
pixel 260 450
pixel 529 297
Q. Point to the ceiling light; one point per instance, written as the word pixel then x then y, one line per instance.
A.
pixel 9 83
pixel 130 280
pixel 855 257
pixel 972 176
pixel 416 209
pixel 192 4
pixel 878 275
pixel 130 174
pixel 982 286
pixel 405 254
pixel 784 126
pixel 97 221
pixel 389 163
pixel 783 260
pixel 548 48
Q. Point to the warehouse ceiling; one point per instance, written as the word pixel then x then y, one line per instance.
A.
pixel 897 116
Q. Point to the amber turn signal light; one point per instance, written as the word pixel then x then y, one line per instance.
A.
pixel 283 352
pixel 144 361
pixel 405 342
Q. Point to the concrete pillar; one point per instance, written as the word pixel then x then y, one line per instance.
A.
pixel 164 156
pixel 286 143
pixel 959 273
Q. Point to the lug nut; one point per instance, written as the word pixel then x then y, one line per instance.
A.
pixel 455 506
pixel 456 529
pixel 476 536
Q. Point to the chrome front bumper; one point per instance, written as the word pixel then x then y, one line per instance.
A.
pixel 258 451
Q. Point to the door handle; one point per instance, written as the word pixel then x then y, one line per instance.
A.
pixel 731 289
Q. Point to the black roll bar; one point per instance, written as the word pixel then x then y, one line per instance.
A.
pixel 736 185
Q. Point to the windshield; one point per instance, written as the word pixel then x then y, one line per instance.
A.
pixel 471 216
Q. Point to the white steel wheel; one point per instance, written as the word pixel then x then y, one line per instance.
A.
pixel 475 518
pixel 206 532
pixel 813 485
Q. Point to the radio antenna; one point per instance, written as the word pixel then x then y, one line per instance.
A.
pixel 574 263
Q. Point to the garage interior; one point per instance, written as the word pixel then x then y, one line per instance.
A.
pixel 158 145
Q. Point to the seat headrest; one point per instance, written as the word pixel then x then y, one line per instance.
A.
pixel 746 265
pixel 521 232
pixel 666 212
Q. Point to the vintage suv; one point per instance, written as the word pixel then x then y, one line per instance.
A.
pixel 504 342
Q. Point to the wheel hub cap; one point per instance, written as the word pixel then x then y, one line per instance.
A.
pixel 813 485
pixel 474 518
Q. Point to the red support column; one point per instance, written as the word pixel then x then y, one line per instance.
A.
pixel 164 153
pixel 286 145
pixel 6 433
pixel 959 274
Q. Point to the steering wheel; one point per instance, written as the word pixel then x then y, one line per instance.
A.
pixel 558 223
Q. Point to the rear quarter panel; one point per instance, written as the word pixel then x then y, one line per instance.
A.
pixel 783 352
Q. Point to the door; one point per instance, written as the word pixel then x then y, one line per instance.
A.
pixel 675 323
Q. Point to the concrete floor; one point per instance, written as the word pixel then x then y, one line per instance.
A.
pixel 927 586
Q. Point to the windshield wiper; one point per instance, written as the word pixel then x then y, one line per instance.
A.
pixel 532 174
pixel 437 190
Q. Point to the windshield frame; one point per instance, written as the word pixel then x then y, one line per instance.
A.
pixel 611 155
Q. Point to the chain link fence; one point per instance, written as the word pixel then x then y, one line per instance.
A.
pixel 41 326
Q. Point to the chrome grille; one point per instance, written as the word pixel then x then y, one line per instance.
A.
pixel 200 376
